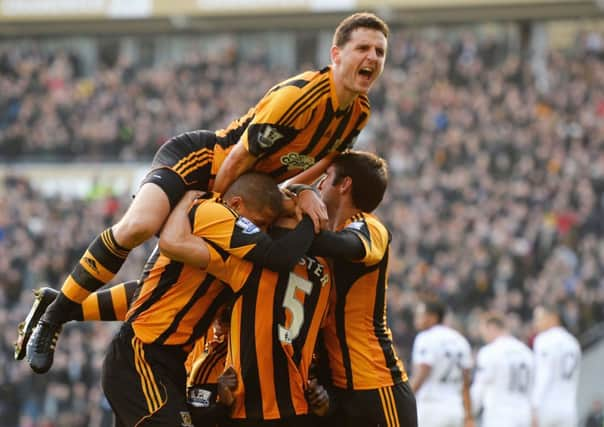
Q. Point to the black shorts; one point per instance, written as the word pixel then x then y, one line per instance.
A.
pixel 384 407
pixel 145 383
pixel 184 163
pixel 297 421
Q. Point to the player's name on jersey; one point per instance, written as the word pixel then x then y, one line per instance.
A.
pixel 315 268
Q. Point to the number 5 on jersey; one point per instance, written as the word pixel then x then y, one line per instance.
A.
pixel 295 307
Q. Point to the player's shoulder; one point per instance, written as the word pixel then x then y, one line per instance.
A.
pixel 363 103
pixel 453 335
pixel 212 207
pixel 300 84
pixel 368 224
pixel 521 346
pixel 424 337
pixel 569 339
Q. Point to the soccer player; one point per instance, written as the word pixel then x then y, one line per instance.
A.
pixel 143 372
pixel 275 322
pixel 504 376
pixel 209 387
pixel 299 126
pixel 370 382
pixel 442 361
pixel 557 362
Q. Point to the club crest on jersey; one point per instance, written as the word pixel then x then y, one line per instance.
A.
pixel 268 137
pixel 199 397
pixel 297 161
pixel 247 226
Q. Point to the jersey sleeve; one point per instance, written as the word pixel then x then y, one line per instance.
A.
pixel 466 359
pixel 269 129
pixel 344 244
pixel 374 237
pixel 229 234
pixel 482 378
pixel 542 371
pixel 422 353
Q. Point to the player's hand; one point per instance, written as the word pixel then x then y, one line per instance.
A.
pixel 289 206
pixel 311 204
pixel 469 422
pixel 317 398
pixel 227 383
pixel 190 196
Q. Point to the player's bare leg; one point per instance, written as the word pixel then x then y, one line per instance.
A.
pixel 99 264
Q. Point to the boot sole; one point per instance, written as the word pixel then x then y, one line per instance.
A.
pixel 42 299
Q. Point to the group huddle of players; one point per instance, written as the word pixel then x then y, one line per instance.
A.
pixel 296 275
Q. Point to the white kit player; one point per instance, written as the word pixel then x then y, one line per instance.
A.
pixel 557 361
pixel 503 379
pixel 441 370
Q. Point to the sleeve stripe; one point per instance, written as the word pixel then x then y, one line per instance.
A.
pixel 301 101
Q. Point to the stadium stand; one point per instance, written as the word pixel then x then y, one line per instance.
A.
pixel 496 196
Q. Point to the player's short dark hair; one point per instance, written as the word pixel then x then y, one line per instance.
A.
pixel 369 174
pixel 495 319
pixel 258 190
pixel 436 307
pixel 224 314
pixel 358 20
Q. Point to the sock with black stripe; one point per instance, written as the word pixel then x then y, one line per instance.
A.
pixel 107 304
pixel 99 264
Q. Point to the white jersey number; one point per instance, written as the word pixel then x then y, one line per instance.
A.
pixel 453 372
pixel 520 377
pixel 295 307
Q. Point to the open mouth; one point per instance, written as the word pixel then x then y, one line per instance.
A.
pixel 366 72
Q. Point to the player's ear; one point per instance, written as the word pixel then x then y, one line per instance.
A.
pixel 335 54
pixel 346 185
pixel 235 203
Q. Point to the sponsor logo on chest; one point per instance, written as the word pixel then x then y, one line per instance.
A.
pixel 297 161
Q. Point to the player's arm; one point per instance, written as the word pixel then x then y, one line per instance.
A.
pixel 421 372
pixel 542 374
pixel 238 161
pixel 481 381
pixel 310 175
pixel 265 133
pixel 283 253
pixel 181 243
pixel 423 358
pixel 343 244
pixel 362 241
pixel 177 240
pixel 467 401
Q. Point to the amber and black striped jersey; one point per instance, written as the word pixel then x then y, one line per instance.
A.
pixel 357 338
pixel 202 386
pixel 297 123
pixel 176 303
pixel 274 326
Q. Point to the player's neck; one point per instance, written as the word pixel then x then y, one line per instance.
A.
pixel 338 218
pixel 344 96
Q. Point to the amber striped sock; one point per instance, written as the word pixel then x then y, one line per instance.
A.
pixel 99 264
pixel 109 303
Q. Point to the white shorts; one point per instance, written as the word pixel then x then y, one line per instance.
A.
pixel 439 415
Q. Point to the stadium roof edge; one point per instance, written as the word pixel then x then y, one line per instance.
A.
pixel 414 14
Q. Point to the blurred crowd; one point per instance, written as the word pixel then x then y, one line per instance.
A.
pixel 496 196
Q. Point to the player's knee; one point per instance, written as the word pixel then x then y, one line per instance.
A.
pixel 131 232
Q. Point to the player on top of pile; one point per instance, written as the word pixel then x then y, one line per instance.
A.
pixel 299 126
